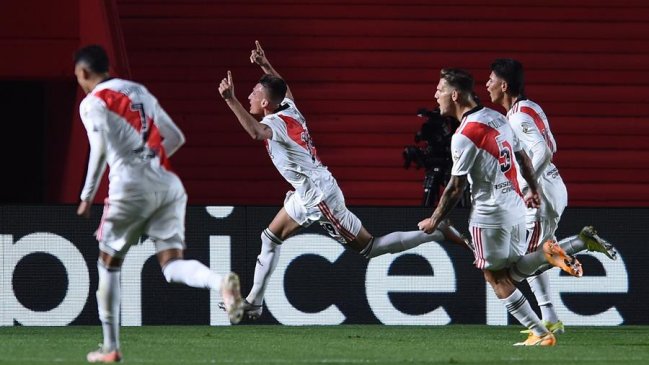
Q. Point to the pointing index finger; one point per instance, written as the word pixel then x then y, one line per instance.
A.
pixel 258 46
pixel 229 77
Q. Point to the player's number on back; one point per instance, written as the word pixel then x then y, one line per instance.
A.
pixel 505 156
pixel 144 129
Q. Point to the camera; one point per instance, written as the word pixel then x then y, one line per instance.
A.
pixel 432 152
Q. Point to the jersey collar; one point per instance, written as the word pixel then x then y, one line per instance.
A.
pixel 475 109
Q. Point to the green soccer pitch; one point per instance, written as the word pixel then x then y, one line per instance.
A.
pixel 344 344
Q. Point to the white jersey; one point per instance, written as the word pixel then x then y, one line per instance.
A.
pixel 294 155
pixel 483 148
pixel 128 130
pixel 531 126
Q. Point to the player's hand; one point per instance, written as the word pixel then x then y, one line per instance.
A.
pixel 532 198
pixel 226 89
pixel 258 56
pixel 427 225
pixel 84 209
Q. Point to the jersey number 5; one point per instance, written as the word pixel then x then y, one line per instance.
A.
pixel 505 156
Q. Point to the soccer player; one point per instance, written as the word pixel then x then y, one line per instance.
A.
pixel 483 149
pixel 128 130
pixel 506 87
pixel 317 197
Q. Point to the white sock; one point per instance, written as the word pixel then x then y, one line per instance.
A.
pixel 527 265
pixel 520 308
pixel 572 245
pixel 540 285
pixel 108 300
pixel 266 263
pixel 191 273
pixel 399 241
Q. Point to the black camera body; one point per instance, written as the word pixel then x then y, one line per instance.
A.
pixel 432 152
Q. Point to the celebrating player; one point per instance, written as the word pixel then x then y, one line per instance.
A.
pixel 483 149
pixel 317 197
pixel 506 87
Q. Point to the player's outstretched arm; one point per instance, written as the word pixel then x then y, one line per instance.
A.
pixel 451 196
pixel 258 56
pixel 256 130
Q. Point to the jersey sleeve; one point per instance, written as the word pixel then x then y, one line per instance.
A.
pixel 532 140
pixel 93 115
pixel 464 153
pixel 278 126
pixel 525 130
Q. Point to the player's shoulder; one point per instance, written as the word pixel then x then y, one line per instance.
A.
pixel 525 107
pixel 120 86
pixel 485 118
pixel 92 101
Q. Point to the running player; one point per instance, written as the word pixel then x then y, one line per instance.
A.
pixel 506 87
pixel 483 149
pixel 317 197
pixel 129 131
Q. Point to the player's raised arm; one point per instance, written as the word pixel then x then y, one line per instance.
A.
pixel 255 129
pixel 258 56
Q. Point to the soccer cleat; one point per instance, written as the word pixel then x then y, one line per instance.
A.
pixel 252 311
pixel 546 339
pixel 231 294
pixel 595 243
pixel 556 327
pixel 556 256
pixel 103 356
pixel 454 236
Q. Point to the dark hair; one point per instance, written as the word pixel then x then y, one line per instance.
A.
pixel 459 79
pixel 275 87
pixel 511 71
pixel 94 56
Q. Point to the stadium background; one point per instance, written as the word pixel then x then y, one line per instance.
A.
pixel 360 69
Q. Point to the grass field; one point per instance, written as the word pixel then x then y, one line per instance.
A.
pixel 345 344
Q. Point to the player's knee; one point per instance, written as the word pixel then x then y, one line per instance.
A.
pixel 169 271
pixel 497 278
pixel 268 238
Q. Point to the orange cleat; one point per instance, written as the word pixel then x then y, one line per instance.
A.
pixel 546 339
pixel 104 356
pixel 556 256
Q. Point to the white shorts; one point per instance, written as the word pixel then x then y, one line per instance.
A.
pixel 539 231
pixel 498 248
pixel 543 223
pixel 331 213
pixel 160 215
